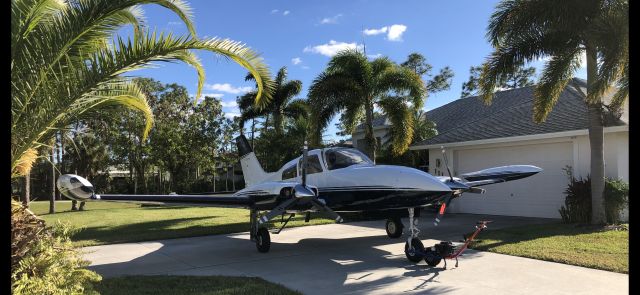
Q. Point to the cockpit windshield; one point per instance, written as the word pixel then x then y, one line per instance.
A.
pixel 337 158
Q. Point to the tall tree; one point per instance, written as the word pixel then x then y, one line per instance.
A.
pixel 527 30
pixel 281 106
pixel 520 77
pixel 64 67
pixel 418 63
pixel 353 84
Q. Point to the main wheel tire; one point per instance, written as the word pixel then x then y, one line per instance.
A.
pixel 263 240
pixel 394 228
pixel 413 256
pixel 432 258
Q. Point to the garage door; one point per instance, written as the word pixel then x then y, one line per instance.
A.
pixel 540 195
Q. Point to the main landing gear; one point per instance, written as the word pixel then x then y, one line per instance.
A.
pixel 394 228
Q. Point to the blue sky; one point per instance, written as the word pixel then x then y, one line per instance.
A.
pixel 302 35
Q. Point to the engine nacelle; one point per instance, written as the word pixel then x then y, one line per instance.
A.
pixel 75 187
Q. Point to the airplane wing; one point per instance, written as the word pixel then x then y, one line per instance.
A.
pixel 217 200
pixel 475 179
pixel 77 188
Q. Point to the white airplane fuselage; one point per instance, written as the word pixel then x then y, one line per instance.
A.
pixel 356 187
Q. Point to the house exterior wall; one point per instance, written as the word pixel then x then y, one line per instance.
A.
pixel 570 150
pixel 358 136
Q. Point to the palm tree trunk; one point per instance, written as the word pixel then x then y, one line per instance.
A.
pixel 253 131
pixel 596 143
pixel 277 123
pixel 52 200
pixel 27 189
pixel 368 133
pixel 59 156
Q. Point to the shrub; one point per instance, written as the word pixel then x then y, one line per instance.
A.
pixel 577 203
pixel 43 260
pixel 616 197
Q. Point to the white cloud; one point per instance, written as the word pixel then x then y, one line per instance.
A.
pixel 286 12
pixel 330 20
pixel 374 55
pixel 305 67
pixel 274 11
pixel 175 23
pixel 370 32
pixel 395 32
pixel 296 60
pixel 330 49
pixel 228 88
pixel 231 115
pixel 216 95
pixel 229 104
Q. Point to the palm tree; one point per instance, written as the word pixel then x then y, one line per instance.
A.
pixel 282 105
pixel 64 68
pixel 354 85
pixel 527 30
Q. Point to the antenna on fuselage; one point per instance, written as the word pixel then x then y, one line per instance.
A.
pixel 446 163
pixel 305 149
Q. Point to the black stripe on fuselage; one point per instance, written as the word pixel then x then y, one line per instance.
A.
pixel 365 200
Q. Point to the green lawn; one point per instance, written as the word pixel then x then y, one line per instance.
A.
pixel 189 285
pixel 109 223
pixel 586 246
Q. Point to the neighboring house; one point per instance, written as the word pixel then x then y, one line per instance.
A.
pixel 476 136
pixel 381 127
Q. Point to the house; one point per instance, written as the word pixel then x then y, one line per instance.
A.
pixel 381 127
pixel 476 136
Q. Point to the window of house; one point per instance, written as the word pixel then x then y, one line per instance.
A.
pixel 289 172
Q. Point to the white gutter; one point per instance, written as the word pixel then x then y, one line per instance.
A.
pixel 519 138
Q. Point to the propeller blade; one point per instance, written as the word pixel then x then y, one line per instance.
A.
pixel 304 163
pixel 446 163
pixel 279 210
pixel 324 208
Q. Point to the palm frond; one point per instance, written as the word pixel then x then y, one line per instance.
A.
pixel 556 75
pixel 401 118
pixel 401 80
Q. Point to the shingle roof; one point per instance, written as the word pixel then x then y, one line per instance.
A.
pixel 378 121
pixel 510 114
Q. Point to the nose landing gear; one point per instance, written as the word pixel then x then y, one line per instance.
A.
pixel 413 248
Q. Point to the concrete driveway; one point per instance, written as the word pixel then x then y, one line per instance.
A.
pixel 358 258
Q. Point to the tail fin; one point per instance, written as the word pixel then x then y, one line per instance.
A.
pixel 251 168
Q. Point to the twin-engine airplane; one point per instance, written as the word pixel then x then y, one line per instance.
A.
pixel 326 180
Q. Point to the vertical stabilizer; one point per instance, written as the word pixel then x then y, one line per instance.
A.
pixel 251 168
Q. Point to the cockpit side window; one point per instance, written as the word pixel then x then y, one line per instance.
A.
pixel 289 172
pixel 337 158
pixel 313 164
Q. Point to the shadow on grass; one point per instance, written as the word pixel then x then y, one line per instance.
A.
pixel 154 230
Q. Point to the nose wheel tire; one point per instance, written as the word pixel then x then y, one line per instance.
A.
pixel 412 254
pixel 394 228
pixel 263 240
